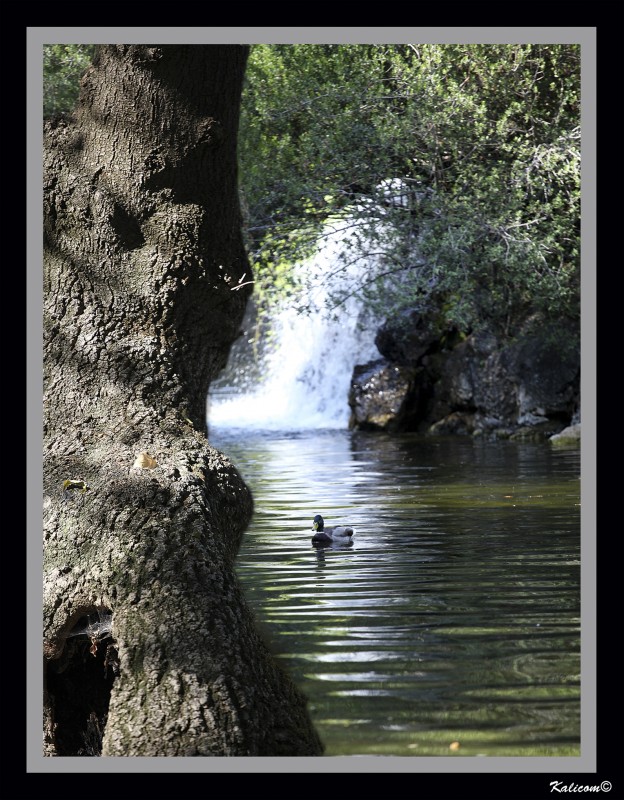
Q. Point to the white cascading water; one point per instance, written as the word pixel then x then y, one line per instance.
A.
pixel 308 372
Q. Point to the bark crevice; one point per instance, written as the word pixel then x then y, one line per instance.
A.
pixel 79 682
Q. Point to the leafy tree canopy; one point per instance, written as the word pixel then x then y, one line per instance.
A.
pixel 481 143
pixel 63 65
pixel 457 166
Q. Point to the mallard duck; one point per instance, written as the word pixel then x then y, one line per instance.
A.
pixel 341 533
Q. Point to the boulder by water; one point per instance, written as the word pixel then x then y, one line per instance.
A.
pixel 382 396
pixel 433 382
pixel 569 436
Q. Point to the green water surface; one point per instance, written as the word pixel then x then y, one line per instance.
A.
pixel 451 626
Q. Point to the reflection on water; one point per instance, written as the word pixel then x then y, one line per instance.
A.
pixel 454 617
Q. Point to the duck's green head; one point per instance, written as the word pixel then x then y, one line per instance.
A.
pixel 318 523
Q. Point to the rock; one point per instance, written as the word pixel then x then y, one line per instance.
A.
pixel 433 381
pixel 381 396
pixel 475 377
pixel 523 389
pixel 456 423
pixel 414 335
pixel 568 436
pixel 407 340
pixel 536 432
pixel 547 374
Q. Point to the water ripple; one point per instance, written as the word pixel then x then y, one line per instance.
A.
pixel 456 611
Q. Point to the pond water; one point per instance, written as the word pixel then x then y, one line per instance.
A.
pixel 452 623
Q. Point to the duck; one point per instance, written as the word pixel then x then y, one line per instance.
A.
pixel 323 535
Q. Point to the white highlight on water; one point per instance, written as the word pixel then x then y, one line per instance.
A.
pixel 309 371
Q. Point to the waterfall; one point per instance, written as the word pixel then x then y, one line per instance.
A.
pixel 306 375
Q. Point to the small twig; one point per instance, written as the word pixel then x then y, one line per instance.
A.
pixel 240 286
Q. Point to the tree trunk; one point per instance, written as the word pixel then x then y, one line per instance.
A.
pixel 149 647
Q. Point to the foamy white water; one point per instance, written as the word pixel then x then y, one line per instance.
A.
pixel 308 373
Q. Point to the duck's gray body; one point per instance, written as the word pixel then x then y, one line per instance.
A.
pixel 323 535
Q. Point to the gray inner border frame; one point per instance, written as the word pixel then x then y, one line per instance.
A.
pixel 586 37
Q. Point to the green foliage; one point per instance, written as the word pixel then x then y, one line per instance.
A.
pixel 486 142
pixel 63 66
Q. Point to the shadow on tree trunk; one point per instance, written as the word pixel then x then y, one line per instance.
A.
pixel 150 648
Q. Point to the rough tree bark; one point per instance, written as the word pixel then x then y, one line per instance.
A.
pixel 149 647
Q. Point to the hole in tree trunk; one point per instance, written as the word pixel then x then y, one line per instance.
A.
pixel 79 685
